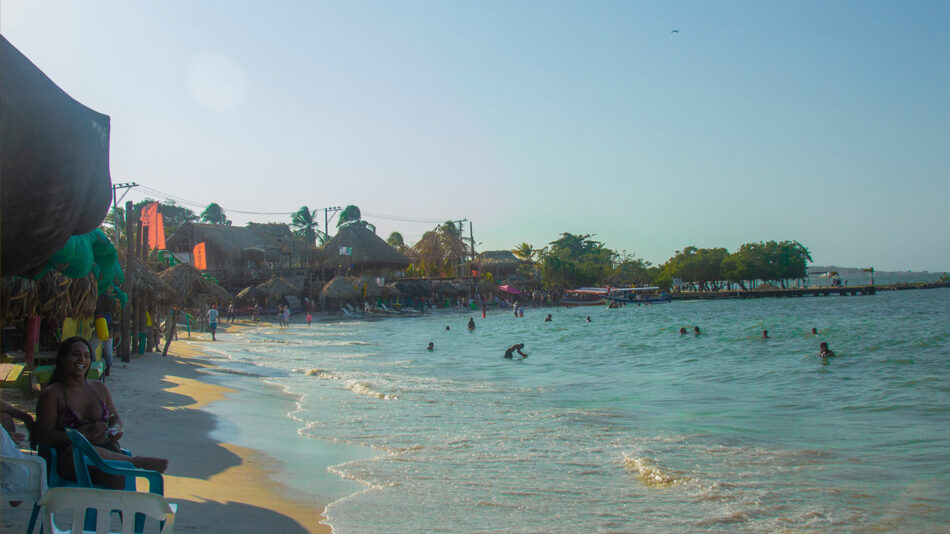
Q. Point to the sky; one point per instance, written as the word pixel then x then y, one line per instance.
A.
pixel 822 122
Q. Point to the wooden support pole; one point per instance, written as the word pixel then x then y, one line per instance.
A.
pixel 170 332
pixel 125 324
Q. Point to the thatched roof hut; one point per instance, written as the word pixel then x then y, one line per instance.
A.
pixel 373 289
pixel 54 163
pixel 339 288
pixel 192 288
pixel 369 251
pixel 278 287
pixel 148 281
pixel 54 295
pixel 500 263
pixel 413 288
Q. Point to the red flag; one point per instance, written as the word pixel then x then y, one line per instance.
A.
pixel 153 227
pixel 159 232
pixel 198 257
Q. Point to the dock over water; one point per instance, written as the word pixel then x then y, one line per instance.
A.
pixel 817 291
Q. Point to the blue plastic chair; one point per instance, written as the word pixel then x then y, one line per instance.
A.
pixel 86 456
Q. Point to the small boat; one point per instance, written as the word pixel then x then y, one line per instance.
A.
pixel 622 296
pixel 584 296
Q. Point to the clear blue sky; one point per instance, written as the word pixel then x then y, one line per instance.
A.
pixel 824 122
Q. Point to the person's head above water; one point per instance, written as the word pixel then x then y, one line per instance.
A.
pixel 765 334
pixel 588 318
pixel 814 331
pixel 682 330
pixel 696 329
pixel 431 346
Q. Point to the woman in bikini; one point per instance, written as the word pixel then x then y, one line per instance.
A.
pixel 71 401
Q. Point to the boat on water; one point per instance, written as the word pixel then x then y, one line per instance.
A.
pixel 622 296
pixel 584 296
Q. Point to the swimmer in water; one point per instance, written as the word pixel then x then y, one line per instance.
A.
pixel 447 327
pixel 588 319
pixel 824 351
pixel 696 330
pixel 765 334
pixel 548 319
pixel 471 323
pixel 814 331
pixel 682 330
pixel 509 352
pixel 431 347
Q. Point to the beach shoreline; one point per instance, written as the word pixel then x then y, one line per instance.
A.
pixel 217 485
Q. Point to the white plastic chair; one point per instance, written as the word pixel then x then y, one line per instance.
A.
pixel 30 483
pixel 79 500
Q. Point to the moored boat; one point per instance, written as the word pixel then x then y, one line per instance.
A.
pixel 584 296
pixel 623 296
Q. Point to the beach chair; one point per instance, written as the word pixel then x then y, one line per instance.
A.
pixel 85 456
pixel 33 487
pixel 83 500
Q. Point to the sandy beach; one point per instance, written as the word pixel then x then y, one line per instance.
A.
pixel 218 486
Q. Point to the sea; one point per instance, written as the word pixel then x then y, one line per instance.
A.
pixel 620 424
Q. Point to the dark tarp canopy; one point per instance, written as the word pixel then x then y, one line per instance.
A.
pixel 54 165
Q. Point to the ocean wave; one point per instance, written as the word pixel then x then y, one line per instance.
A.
pixel 365 388
pixel 652 476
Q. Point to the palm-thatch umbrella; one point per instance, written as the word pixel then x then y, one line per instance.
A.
pixel 393 290
pixel 373 289
pixel 362 249
pixel 18 299
pixel 54 160
pixel 148 281
pixel 192 288
pixel 339 288
pixel 250 292
pixel 276 288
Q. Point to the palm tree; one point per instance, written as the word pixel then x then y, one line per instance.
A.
pixel 304 223
pixel 439 251
pixel 349 214
pixel 525 253
pixel 214 214
pixel 396 241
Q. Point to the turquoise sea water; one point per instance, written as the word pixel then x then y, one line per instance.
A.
pixel 620 424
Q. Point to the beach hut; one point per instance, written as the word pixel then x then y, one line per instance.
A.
pixel 194 291
pixel 357 247
pixel 339 289
pixel 54 165
pixel 500 263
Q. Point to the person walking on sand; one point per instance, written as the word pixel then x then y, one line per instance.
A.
pixel 213 320
pixel 309 318
pixel 509 352
pixel 230 319
pixel 287 316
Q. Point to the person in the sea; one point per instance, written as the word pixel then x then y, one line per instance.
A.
pixel 72 401
pixel 471 323
pixel 824 351
pixel 510 351
pixel 588 319
pixel 548 319
pixel 814 331
pixel 682 330
pixel 213 319
pixel 431 347
pixel 447 327
pixel 696 330
pixel 765 334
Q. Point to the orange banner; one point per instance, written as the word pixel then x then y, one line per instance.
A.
pixel 198 257
pixel 153 227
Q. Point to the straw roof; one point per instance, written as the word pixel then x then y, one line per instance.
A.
pixel 369 250
pixel 413 288
pixel 54 160
pixel 18 298
pixel 192 288
pixel 148 281
pixel 55 296
pixel 278 287
pixel 250 292
pixel 372 288
pixel 339 288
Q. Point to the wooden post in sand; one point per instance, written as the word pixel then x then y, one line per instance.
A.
pixel 170 332
pixel 125 328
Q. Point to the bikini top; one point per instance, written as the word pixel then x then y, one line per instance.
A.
pixel 71 420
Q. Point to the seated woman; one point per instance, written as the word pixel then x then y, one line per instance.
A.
pixel 71 401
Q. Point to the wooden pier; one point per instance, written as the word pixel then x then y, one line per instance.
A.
pixel 843 291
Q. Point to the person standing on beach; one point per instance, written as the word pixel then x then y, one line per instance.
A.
pixel 213 320
pixel 230 318
pixel 287 316
pixel 309 318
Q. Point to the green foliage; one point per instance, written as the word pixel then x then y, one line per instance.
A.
pixel 304 224
pixel 214 214
pixel 770 261
pixel 576 260
pixel 349 214
pixel 632 271
pixel 396 241
pixel 439 252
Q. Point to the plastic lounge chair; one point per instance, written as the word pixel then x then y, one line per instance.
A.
pixel 34 490
pixel 81 500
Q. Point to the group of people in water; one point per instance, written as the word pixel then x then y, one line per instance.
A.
pixel 823 350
